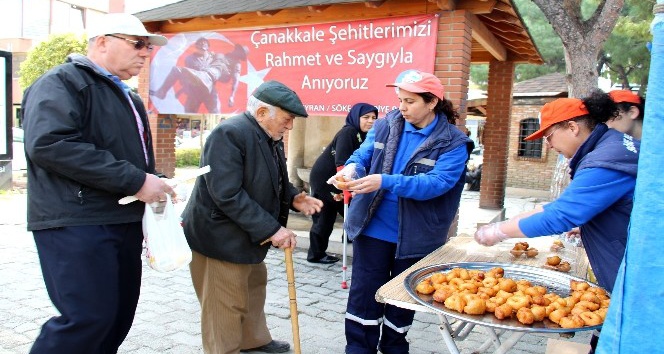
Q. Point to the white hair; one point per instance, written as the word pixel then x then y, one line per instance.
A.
pixel 253 104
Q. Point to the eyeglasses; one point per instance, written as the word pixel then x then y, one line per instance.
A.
pixel 546 137
pixel 138 44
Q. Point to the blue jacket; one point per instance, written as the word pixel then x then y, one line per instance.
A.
pixel 599 198
pixel 424 221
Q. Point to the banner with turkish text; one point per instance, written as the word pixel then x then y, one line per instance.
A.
pixel 330 66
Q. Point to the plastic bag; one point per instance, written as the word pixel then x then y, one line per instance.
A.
pixel 166 247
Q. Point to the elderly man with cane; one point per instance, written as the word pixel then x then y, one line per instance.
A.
pixel 243 202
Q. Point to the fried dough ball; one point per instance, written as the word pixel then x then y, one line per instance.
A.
pixel 425 287
pixel 456 282
pixel 464 274
pixel 553 260
pixel 579 309
pixel 532 252
pixel 535 290
pixel 571 321
pixel 438 278
pixel 477 275
pixel 564 267
pixel 525 316
pixel 472 287
pixel 503 294
pixel 489 281
pixel 488 291
pixel 474 305
pixel 496 272
pixel 557 245
pixel 454 273
pixel 517 253
pixel 540 300
pixel 577 285
pixel 523 284
pixel 442 294
pixel 455 302
pixel 503 311
pixel 589 296
pixel 605 303
pixel 518 301
pixel 521 246
pixel 507 285
pixel 589 305
pixel 591 319
pixel 556 315
pixel 539 312
pixel 602 313
pixel 342 183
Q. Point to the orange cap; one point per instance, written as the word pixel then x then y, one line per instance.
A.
pixel 558 111
pixel 620 96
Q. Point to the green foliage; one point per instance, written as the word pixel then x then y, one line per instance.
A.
pixel 625 56
pixel 48 54
pixel 187 157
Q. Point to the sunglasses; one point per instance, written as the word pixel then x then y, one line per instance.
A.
pixel 138 44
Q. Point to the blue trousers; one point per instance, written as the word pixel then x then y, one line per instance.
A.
pixel 374 264
pixel 93 277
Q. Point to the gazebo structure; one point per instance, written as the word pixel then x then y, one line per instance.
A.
pixel 466 32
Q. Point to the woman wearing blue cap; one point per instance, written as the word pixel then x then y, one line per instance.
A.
pixel 358 122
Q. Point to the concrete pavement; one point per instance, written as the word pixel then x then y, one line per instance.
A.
pixel 168 315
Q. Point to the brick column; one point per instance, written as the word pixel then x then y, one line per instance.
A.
pixel 452 66
pixel 162 126
pixel 496 134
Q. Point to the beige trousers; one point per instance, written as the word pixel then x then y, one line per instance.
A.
pixel 232 298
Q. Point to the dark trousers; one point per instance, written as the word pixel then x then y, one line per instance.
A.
pixel 93 277
pixel 323 224
pixel 374 265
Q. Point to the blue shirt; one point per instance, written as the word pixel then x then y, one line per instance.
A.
pixel 448 168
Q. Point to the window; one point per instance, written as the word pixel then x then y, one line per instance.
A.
pixel 531 148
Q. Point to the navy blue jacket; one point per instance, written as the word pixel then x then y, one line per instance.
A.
pixel 423 224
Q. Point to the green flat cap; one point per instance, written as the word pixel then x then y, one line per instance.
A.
pixel 278 94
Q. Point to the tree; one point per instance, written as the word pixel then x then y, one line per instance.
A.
pixel 582 38
pixel 48 54
pixel 625 56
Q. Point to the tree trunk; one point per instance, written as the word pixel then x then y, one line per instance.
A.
pixel 582 40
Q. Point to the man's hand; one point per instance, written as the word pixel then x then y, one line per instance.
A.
pixel 284 238
pixel 154 190
pixel 366 184
pixel 307 205
pixel 489 235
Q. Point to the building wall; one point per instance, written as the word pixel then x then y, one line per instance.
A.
pixel 526 172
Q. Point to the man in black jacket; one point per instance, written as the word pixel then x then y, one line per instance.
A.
pixel 88 144
pixel 243 202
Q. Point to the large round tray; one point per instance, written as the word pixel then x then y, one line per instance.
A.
pixel 556 282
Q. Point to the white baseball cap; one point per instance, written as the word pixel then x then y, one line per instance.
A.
pixel 122 23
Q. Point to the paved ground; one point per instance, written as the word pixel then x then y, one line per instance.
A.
pixel 167 320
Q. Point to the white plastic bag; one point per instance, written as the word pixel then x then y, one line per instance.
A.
pixel 167 248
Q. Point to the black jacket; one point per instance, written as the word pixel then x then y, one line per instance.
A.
pixel 83 148
pixel 236 206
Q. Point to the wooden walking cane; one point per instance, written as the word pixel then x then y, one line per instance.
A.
pixel 290 274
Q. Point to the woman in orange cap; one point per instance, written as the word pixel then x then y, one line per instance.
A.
pixel 603 168
pixel 630 116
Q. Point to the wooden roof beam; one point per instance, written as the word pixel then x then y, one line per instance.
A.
pixel 269 13
pixel 374 4
pixel 446 5
pixel 478 7
pixel 484 37
pixel 318 9
pixel 223 17
pixel 179 21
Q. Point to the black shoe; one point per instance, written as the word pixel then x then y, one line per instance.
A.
pixel 275 346
pixel 325 260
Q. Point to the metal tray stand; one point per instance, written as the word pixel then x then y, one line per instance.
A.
pixel 553 281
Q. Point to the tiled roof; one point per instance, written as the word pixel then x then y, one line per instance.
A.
pixel 546 85
pixel 198 8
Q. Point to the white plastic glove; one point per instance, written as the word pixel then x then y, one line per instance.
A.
pixel 489 235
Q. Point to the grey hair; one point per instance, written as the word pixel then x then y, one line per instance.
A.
pixel 253 104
